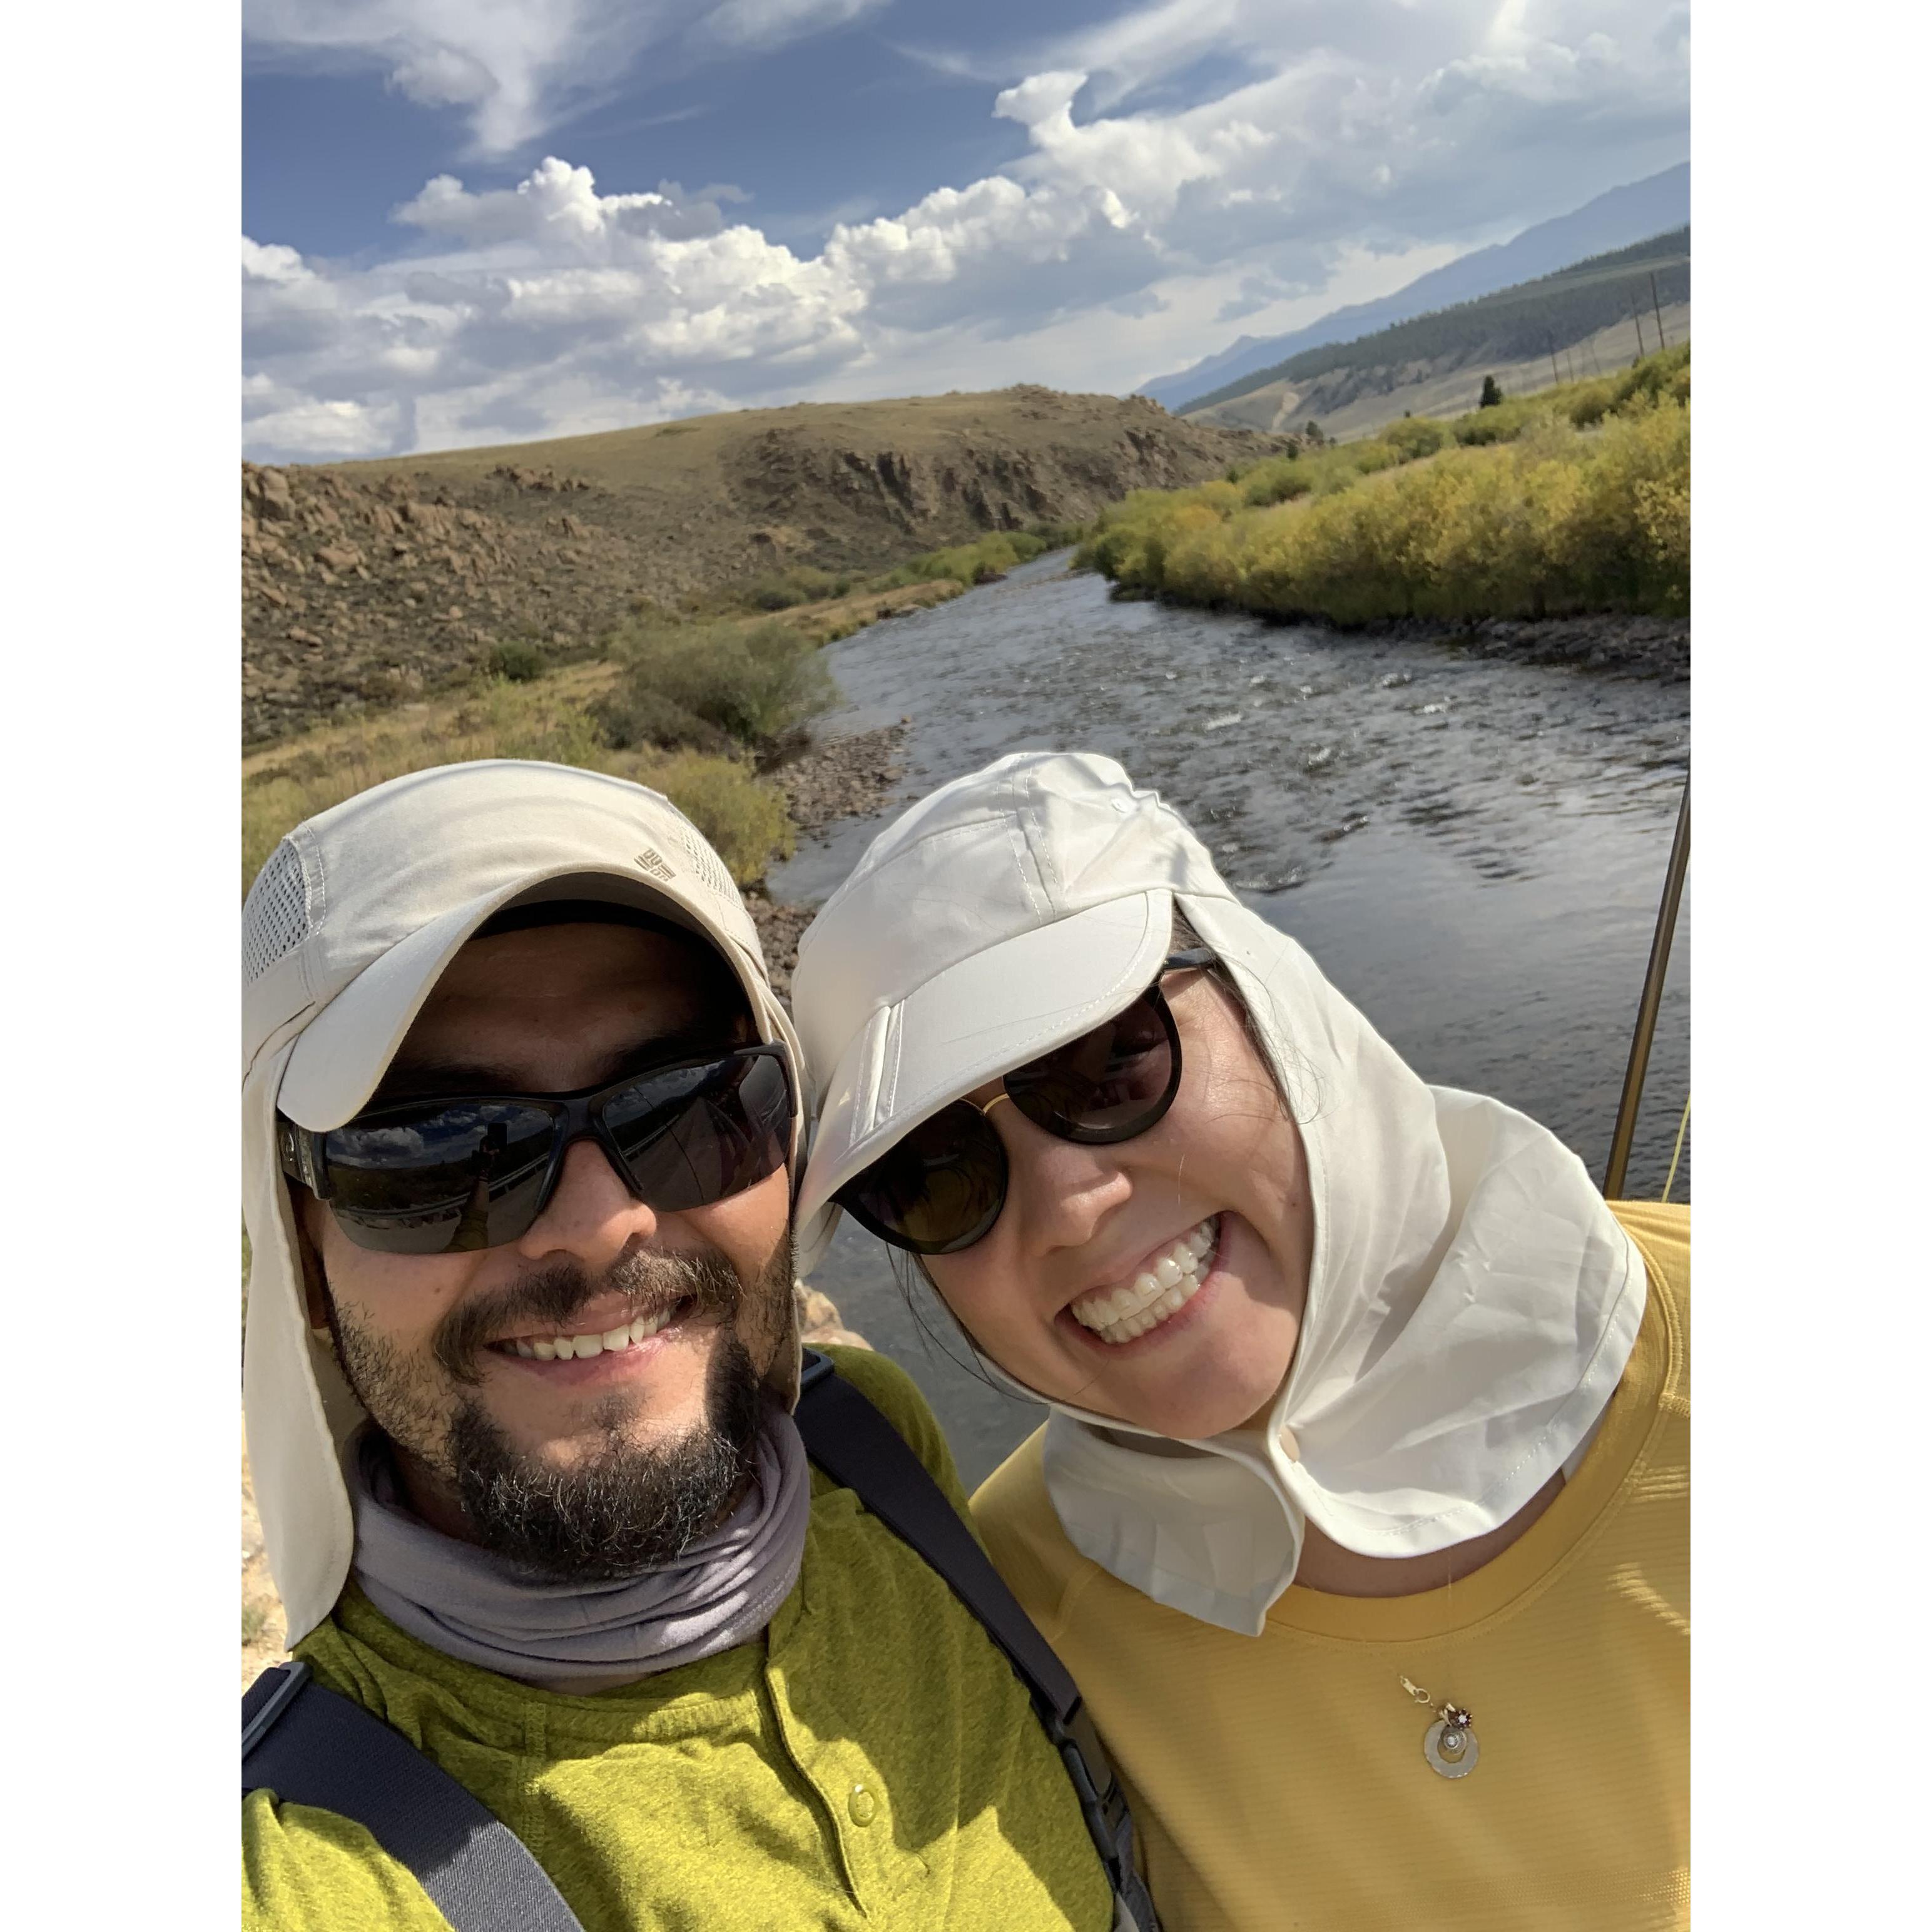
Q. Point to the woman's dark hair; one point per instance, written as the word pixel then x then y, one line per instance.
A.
pixel 1185 939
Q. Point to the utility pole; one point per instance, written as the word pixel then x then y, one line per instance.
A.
pixel 1639 320
pixel 1658 307
pixel 1551 339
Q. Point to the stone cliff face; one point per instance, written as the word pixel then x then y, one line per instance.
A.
pixel 950 498
pixel 369 583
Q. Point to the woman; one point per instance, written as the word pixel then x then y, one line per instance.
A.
pixel 1361 1515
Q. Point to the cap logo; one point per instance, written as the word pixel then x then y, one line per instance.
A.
pixel 653 862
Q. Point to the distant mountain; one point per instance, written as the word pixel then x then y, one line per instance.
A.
pixel 1623 216
pixel 1526 319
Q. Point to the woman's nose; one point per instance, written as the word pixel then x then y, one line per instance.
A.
pixel 1058 1191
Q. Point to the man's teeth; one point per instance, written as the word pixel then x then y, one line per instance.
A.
pixel 569 1348
pixel 1152 1296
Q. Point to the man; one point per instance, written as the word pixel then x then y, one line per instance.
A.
pixel 520 1117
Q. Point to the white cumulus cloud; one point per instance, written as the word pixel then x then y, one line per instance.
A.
pixel 1354 144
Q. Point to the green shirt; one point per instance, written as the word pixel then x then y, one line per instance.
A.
pixel 870 1760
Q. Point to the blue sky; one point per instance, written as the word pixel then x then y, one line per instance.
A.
pixel 479 221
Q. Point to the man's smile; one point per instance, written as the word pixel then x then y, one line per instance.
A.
pixel 588 1345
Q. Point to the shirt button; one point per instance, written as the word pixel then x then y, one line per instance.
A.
pixel 863 1806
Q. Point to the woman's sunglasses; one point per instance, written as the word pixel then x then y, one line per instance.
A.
pixel 436 1176
pixel 940 1188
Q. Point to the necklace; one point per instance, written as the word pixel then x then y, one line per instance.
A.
pixel 1449 1743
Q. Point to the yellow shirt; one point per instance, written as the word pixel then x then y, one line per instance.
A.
pixel 1279 1781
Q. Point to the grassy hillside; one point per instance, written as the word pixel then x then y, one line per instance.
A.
pixel 369 584
pixel 1575 501
pixel 1514 324
pixel 1347 404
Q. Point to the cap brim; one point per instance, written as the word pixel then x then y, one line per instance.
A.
pixel 341 1057
pixel 985 1016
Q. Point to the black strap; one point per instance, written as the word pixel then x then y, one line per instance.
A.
pixel 855 1445
pixel 310 1747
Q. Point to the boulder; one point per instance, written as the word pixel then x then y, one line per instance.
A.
pixel 277 500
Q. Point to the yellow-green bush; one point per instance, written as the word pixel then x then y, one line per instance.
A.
pixel 1559 520
pixel 1415 436
pixel 744 817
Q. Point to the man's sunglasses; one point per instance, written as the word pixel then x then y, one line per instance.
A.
pixel 940 1188
pixel 435 1176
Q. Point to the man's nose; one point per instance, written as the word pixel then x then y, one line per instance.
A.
pixel 593 1215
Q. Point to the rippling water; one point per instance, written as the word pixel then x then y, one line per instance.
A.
pixel 1472 850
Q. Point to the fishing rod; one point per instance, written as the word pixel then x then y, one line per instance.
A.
pixel 1652 999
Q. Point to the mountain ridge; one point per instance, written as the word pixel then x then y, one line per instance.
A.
pixel 1615 219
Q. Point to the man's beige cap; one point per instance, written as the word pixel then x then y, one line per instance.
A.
pixel 344 933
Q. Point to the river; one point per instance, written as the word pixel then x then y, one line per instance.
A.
pixel 1472 850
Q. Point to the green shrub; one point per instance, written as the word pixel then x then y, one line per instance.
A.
pixel 1415 436
pixel 635 716
pixel 1280 480
pixel 802 584
pixel 754 682
pixel 978 562
pixel 1056 536
pixel 520 662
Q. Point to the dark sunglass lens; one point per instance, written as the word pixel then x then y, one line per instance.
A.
pixel 939 1189
pixel 1108 1083
pixel 693 1135
pixel 457 1177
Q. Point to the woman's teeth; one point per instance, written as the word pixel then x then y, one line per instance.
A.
pixel 569 1348
pixel 1163 1290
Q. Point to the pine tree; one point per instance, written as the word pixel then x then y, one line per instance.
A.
pixel 1491 395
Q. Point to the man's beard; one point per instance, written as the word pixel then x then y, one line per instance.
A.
pixel 623 1508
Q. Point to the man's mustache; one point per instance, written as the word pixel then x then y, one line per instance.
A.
pixel 648 1280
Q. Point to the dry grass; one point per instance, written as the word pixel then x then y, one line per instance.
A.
pixel 743 816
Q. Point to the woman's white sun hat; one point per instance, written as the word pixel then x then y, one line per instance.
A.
pixel 1472 1299
pixel 997 919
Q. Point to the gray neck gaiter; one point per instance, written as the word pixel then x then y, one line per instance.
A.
pixel 580 1638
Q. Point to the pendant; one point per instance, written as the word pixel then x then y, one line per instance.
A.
pixel 1450 1744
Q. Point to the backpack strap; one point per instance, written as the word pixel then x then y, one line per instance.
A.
pixel 855 1445
pixel 310 1747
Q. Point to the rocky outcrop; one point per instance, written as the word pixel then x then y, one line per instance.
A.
pixel 366 584
pixel 357 592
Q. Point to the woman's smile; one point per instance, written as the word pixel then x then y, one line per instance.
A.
pixel 1160 1278
pixel 1158 1292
